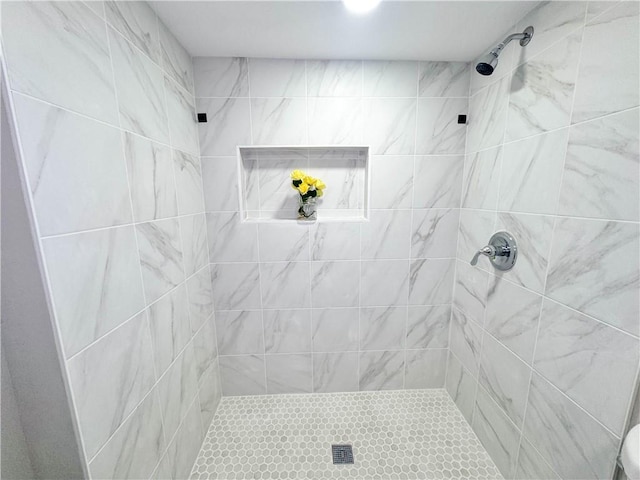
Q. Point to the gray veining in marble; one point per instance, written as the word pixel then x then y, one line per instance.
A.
pixel 393 291
pixel 335 284
pixel 428 327
pixel 221 77
pixel 287 331
pixel 392 181
pixel 334 78
pixel 335 372
pixel 386 234
pixel 278 121
pixel 438 130
pixel 289 373
pixel 389 78
pixel 470 291
pixel 531 465
pixel 240 332
pixel 434 233
pixel 481 179
pixel 285 284
pixel 487 116
pixel 425 368
pixel 443 79
pixel 243 375
pixel 230 240
pixel 465 341
pixel 381 370
pixel 193 230
pixel 389 125
pixel 461 386
pixel 188 183
pixel 138 23
pixel 176 61
pixel 437 181
pixel 223 173
pixel 431 281
pixel 335 329
pixel 228 125
pixel 235 286
pixel 335 241
pixel 275 77
pixel 183 128
pixel 200 298
pixel 383 328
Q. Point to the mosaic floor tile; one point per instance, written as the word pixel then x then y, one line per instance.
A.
pixel 407 434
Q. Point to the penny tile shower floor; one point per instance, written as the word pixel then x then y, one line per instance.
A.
pixel 407 434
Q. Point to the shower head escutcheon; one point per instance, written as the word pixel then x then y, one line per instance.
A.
pixel 489 62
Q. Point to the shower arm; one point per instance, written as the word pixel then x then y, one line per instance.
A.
pixel 524 36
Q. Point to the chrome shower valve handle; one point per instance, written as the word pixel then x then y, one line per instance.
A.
pixel 501 251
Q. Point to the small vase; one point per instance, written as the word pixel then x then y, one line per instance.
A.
pixel 307 210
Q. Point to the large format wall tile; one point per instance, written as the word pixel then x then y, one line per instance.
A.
pixel 278 121
pixel 443 79
pixel 389 125
pixel 193 229
pixel 335 329
pixel 200 298
pixel 109 379
pixel 437 181
pixel 283 242
pixel 76 185
pixel 431 281
pixel 182 118
pixel 482 179
pixel 334 78
pixel 286 285
pixel 487 116
pixel 389 79
pixel 184 448
pixel 58 52
pixel 95 282
pixel 425 368
pixel 228 125
pixel 428 327
pixel 381 370
pixel 386 234
pixel 243 375
pixel 287 331
pixel 334 121
pixel 139 83
pixel 176 61
pixel 223 173
pixel 230 240
pixel 221 77
pixel 438 130
pixel 465 341
pixel 335 241
pixel 335 372
pixel 335 284
pixel 394 291
pixel 138 23
pixel 239 332
pixel 608 83
pixel 391 181
pixel 289 373
pixel 274 77
pixel 531 465
pixel 434 233
pixel 382 328
pixel 236 286
pixel 461 386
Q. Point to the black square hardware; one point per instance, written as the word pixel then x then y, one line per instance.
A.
pixel 342 454
pixel 202 118
pixel 462 119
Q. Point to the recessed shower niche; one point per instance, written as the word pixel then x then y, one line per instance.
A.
pixel 266 194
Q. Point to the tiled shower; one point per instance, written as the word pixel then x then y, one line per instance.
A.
pixel 169 304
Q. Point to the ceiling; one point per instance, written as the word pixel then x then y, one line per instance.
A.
pixel 396 30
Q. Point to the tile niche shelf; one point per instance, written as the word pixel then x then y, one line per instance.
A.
pixel 265 189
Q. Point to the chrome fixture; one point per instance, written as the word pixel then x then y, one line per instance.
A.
pixel 489 62
pixel 502 251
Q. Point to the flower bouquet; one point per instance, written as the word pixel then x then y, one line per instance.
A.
pixel 309 190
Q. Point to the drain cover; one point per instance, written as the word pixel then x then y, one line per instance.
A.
pixel 342 454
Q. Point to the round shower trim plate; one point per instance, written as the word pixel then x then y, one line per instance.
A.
pixel 527 31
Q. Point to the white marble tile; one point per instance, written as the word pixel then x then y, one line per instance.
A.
pixel 389 79
pixel 273 182
pixel 428 327
pixel 335 284
pixel 59 52
pixel 278 121
pixel 220 183
pixel 335 372
pixel 193 230
pixel 437 181
pixel 465 341
pixel 389 125
pixel 425 368
pixel 512 316
pixel 383 328
pixel 598 7
pixel 177 389
pixel 394 290
pixel 470 291
pixel 95 283
pixel 170 328
pixel 532 173
pixel 391 181
pixel 277 78
pixel 228 125
pixel 221 77
pixel 74 185
pixel 594 269
pixel 140 87
pixel 135 449
pixel 240 332
pixel 200 298
pixel 488 116
pixel 498 435
pixel 335 329
pixel 334 121
pixel 533 235
pixel 230 240
pixel 138 23
pixel 161 256
pixel 553 21
pixel 386 235
pixel 542 90
pixel 164 468
pixel 481 181
pixel 151 178
pixel 176 61
pixel 461 386
pixel 96 6
pixel 434 233
pixel 431 281
pixel 183 128
pixel 592 363
pixel 334 78
pixel 608 82
pixel 290 373
pixel 205 348
pixel 476 228
pixel 109 379
pixel 443 79
pixel 343 171
pixel 438 130
pixel 505 378
pixel 235 286
pixel 381 370
pixel 574 444
pixel 243 375
pixel 188 182
pixel 335 241
pixel 285 284
pixel 210 394
pixel 531 465
pixel 287 331
pixel 601 169
pixel 283 242
pixel 183 450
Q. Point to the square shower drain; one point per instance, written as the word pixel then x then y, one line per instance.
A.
pixel 342 454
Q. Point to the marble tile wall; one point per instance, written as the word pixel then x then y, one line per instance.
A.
pixel 543 359
pixel 334 306
pixel 105 114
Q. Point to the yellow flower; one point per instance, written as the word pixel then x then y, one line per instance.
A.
pixel 303 188
pixel 297 175
pixel 319 192
pixel 310 180
pixel 320 185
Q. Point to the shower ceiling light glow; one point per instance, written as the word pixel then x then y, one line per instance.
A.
pixel 360 6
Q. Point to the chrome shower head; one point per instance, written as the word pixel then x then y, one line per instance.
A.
pixel 489 62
